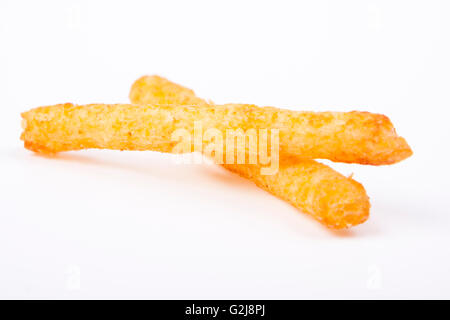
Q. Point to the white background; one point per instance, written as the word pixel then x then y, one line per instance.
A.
pixel 106 224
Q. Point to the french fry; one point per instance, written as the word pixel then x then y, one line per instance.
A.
pixel 355 137
pixel 336 201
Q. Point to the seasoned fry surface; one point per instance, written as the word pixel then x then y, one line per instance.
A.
pixel 356 137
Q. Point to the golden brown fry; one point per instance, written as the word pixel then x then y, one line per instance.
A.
pixel 336 201
pixel 352 137
pixel 357 137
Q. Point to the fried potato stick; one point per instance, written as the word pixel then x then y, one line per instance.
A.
pixel 314 188
pixel 355 137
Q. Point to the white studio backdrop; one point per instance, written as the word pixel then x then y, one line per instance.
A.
pixel 105 224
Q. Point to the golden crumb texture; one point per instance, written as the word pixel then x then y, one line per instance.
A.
pixel 353 137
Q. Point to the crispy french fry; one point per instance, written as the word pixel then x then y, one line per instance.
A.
pixel 356 137
pixel 336 201
pixel 352 137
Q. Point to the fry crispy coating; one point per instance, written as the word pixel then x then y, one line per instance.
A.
pixel 355 137
pixel 352 137
pixel 336 201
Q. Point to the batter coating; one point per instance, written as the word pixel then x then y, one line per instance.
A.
pixel 354 137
